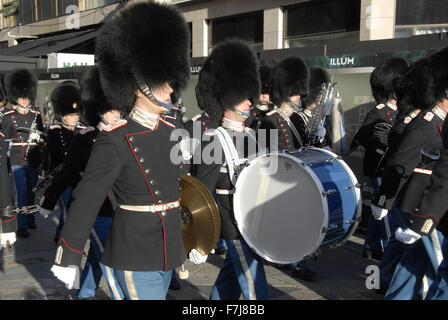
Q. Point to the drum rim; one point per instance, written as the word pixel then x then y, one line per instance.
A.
pixel 237 213
pixel 357 190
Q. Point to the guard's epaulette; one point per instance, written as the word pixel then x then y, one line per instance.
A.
pixel 271 113
pixel 119 124
pixel 428 116
pixel 407 120
pixel 380 106
pixel 8 112
pixel 34 111
pixel 55 126
pixel 2 135
pixel 196 117
pixel 167 123
pixel 86 130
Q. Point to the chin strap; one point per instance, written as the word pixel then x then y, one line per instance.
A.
pixel 148 93
pixel 295 106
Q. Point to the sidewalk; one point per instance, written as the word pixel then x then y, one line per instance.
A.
pixel 25 273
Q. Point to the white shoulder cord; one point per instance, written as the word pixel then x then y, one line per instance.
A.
pixel 230 152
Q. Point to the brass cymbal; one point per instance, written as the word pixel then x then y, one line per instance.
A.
pixel 204 225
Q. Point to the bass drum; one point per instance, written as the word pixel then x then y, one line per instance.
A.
pixel 287 205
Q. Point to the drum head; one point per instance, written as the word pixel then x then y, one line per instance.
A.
pixel 279 208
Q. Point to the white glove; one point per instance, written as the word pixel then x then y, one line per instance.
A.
pixel 34 136
pixel 378 212
pixel 69 275
pixel 44 212
pixel 196 257
pixel 321 131
pixel 406 236
pixel 5 237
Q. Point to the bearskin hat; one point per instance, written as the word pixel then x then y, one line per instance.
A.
pixel 144 38
pixel 381 79
pixel 430 79
pixel 21 83
pixel 266 79
pixel 290 77
pixel 66 99
pixel 228 76
pixel 405 91
pixel 318 76
pixel 93 101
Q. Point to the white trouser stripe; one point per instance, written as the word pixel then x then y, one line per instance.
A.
pixel 425 287
pixel 250 280
pixel 112 284
pixel 437 248
pixel 130 285
pixel 109 277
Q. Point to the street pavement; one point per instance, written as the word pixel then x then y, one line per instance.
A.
pixel 341 273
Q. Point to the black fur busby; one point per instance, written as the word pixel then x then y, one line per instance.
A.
pixel 405 91
pixel 147 38
pixel 21 83
pixel 228 76
pixel 431 79
pixel 318 76
pixel 290 77
pixel 93 101
pixel 381 79
pixel 266 79
pixel 66 99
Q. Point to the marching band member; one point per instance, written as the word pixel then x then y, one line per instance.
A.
pixel 264 104
pixel 101 117
pixel 290 79
pixel 410 170
pixel 133 161
pixel 21 85
pixel 228 85
pixel 406 111
pixel 318 76
pixel 373 137
pixel 65 99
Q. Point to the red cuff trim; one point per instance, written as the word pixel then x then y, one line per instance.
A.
pixel 426 216
pixel 69 246
pixel 14 217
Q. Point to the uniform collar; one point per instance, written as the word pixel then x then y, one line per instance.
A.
pixel 144 118
pixel 263 107
pixel 285 113
pixel 22 110
pixel 233 125
pixel 307 112
pixel 390 105
pixel 109 127
pixel 439 112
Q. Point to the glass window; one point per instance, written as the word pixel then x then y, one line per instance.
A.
pixel 248 27
pixel 317 17
pixel 27 11
pixel 46 9
pixel 409 12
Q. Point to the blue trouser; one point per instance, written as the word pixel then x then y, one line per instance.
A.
pixel 63 209
pixel 376 235
pixel 26 179
pixel 143 285
pixel 94 269
pixel 439 288
pixel 394 248
pixel 221 243
pixel 418 270
pixel 241 274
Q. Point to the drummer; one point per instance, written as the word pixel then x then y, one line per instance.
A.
pixel 228 87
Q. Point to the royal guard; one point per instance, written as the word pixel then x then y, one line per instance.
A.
pixel 228 85
pixel 133 161
pixel 372 136
pixel 23 127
